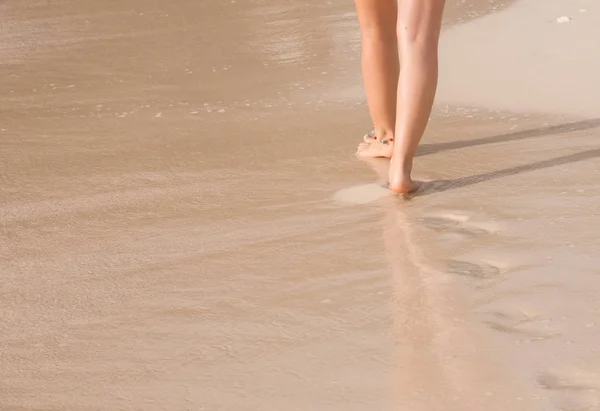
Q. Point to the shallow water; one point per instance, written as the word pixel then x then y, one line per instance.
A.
pixel 184 226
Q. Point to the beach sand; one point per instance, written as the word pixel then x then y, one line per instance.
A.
pixel 184 226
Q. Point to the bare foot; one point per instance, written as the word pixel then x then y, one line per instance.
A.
pixel 372 148
pixel 400 180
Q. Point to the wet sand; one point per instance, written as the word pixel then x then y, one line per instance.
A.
pixel 184 226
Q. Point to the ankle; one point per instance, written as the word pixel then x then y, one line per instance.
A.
pixel 384 134
pixel 404 162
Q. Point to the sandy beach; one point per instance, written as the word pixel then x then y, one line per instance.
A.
pixel 184 225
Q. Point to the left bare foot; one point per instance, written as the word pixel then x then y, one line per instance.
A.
pixel 372 147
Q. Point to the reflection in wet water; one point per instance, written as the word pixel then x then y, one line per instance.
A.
pixel 443 358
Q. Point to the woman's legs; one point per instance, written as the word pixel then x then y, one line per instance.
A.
pixel 419 25
pixel 380 66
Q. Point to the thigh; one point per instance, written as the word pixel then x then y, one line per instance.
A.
pixel 377 17
pixel 420 19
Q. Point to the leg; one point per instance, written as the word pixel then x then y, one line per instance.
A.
pixel 419 25
pixel 377 20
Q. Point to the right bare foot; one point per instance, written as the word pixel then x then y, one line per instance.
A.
pixel 373 147
pixel 400 179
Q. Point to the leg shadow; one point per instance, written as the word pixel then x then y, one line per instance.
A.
pixel 519 135
pixel 445 185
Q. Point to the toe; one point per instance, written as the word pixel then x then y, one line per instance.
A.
pixel 363 146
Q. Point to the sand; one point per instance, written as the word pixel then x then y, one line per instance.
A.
pixel 554 71
pixel 183 225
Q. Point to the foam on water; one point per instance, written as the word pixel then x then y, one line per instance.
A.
pixel 362 194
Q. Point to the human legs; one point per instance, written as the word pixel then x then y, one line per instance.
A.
pixel 380 67
pixel 419 24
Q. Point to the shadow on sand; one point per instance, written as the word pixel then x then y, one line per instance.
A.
pixel 444 185
pixel 516 136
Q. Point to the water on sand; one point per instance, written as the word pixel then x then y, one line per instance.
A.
pixel 175 234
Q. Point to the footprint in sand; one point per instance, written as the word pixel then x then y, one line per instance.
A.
pixel 480 270
pixel 456 223
pixel 531 327
pixel 575 390
pixel 569 380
